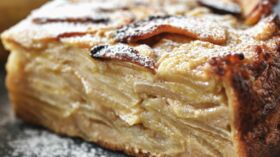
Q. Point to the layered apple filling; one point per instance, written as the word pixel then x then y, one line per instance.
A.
pixel 122 102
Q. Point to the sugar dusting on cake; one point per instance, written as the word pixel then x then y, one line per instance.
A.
pixel 122 52
pixel 194 27
pixel 36 143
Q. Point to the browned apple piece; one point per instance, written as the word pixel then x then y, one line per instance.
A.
pixel 251 10
pixel 84 20
pixel 266 28
pixel 197 28
pixel 254 10
pixel 123 53
pixel 224 6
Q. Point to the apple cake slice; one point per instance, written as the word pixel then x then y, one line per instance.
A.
pixel 150 77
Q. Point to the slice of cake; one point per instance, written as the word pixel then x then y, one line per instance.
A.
pixel 150 77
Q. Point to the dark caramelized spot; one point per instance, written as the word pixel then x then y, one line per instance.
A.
pixel 83 20
pixel 237 63
pixel 222 6
pixel 123 53
pixel 193 27
pixel 71 34
pixel 263 53
pixel 223 64
pixel 96 50
pixel 151 18
pixel 110 10
pixel 258 105
pixel 263 56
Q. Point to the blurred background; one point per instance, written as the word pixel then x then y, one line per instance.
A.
pixel 11 12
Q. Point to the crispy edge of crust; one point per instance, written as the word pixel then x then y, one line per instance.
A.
pixel 255 100
pixel 257 116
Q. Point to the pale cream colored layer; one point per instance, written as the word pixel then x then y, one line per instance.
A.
pixel 119 103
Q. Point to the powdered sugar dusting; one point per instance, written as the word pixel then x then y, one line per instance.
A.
pixel 35 143
pixel 122 52
pixel 194 27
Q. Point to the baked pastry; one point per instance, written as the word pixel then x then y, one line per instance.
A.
pixel 150 78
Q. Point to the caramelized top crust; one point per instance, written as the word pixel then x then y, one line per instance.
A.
pixel 197 28
pixel 195 33
pixel 257 104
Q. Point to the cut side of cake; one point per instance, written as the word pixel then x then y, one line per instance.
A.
pixel 150 78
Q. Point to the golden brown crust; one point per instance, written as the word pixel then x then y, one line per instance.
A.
pixel 257 117
pixel 256 93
